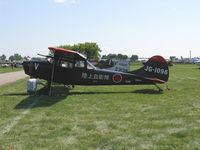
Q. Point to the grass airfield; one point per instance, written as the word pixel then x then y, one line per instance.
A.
pixel 104 117
pixel 9 69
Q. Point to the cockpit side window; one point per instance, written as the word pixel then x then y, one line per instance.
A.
pixel 80 64
pixel 66 64
pixel 72 63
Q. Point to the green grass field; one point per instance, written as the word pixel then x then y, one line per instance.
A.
pixel 104 117
pixel 9 69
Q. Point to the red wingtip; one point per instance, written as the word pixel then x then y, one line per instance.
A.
pixel 61 49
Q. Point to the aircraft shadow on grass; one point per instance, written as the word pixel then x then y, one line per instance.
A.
pixel 43 100
pixel 61 93
pixel 144 91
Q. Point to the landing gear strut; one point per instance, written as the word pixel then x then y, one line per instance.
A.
pixel 70 87
pixel 159 88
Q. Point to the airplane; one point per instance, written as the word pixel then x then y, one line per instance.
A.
pixel 114 65
pixel 72 68
pixel 197 62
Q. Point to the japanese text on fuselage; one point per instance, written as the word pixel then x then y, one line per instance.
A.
pixel 94 76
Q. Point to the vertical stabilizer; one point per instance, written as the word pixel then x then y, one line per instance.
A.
pixel 156 68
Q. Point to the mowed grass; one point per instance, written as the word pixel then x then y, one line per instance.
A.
pixel 9 69
pixel 105 117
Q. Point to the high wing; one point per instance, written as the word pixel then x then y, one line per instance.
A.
pixel 64 53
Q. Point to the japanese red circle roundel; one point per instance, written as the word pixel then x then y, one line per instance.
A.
pixel 117 78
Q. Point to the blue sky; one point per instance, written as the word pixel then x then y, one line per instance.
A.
pixel 142 27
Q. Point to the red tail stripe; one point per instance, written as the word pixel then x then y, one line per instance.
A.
pixel 158 80
pixel 158 58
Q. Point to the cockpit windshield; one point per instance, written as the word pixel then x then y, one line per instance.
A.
pixel 90 66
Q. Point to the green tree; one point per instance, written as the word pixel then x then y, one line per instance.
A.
pixel 3 57
pixel 104 57
pixel 172 58
pixel 15 57
pixel 134 58
pixel 117 56
pixel 121 56
pixel 111 56
pixel 90 49
pixel 25 58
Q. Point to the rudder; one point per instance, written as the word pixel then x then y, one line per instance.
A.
pixel 155 68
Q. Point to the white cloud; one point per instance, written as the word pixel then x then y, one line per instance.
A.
pixel 59 1
pixel 63 1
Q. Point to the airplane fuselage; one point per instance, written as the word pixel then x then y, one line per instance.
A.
pixel 80 76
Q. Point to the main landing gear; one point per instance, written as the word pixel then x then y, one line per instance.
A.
pixel 160 89
pixel 70 87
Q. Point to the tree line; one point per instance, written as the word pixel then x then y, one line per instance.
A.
pixel 15 57
pixel 90 49
pixel 120 56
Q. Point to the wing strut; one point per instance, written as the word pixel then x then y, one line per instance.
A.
pixel 52 76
